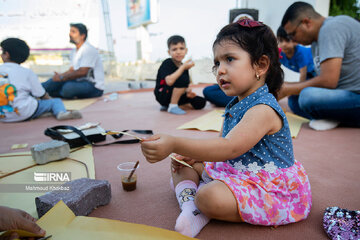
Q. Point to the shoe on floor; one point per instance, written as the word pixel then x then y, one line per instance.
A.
pixel 69 115
pixel 176 110
pixel 322 124
pixel 163 108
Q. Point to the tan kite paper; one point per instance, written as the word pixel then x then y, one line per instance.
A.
pixel 61 223
pixel 78 104
pixel 19 146
pixel 14 162
pixel 212 121
pixel 295 123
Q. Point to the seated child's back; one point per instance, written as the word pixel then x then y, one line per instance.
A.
pixel 20 88
pixel 27 87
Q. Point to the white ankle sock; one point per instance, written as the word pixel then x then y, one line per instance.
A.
pixel 171 105
pixel 191 220
pixel 201 184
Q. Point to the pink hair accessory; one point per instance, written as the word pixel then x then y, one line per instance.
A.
pixel 280 53
pixel 247 22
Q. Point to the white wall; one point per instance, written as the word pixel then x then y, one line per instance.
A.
pixel 45 23
pixel 272 12
pixel 197 20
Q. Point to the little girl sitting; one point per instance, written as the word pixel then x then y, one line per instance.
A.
pixel 249 174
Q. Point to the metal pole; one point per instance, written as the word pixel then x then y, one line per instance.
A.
pixel 109 38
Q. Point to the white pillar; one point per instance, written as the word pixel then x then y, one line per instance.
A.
pixel 322 7
pixel 143 44
pixel 244 4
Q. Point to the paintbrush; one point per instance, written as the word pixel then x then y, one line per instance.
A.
pixel 132 172
pixel 180 161
pixel 119 132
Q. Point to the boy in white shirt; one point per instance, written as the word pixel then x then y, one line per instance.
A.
pixel 20 88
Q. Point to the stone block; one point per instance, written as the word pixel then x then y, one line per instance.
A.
pixel 83 195
pixel 50 151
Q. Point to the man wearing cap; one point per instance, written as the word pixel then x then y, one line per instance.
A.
pixel 85 77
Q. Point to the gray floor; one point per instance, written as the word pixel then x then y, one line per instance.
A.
pixel 112 86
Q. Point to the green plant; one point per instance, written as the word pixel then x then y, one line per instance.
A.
pixel 345 7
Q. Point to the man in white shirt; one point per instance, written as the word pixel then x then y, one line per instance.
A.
pixel 85 78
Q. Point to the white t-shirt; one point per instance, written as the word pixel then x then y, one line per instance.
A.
pixel 27 87
pixel 88 56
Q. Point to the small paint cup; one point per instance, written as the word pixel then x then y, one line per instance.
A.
pixel 125 171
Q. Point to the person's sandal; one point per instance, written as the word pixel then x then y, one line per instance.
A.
pixel 68 115
pixel 163 108
pixel 176 110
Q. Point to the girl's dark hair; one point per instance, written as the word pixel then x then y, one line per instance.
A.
pixel 18 50
pixel 257 41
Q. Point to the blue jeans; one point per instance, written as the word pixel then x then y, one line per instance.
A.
pixel 55 106
pixel 322 103
pixel 216 96
pixel 72 89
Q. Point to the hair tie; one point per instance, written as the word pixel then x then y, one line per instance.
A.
pixel 247 22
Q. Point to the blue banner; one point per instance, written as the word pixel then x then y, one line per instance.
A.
pixel 139 12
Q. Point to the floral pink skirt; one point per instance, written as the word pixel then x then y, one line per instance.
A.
pixel 266 198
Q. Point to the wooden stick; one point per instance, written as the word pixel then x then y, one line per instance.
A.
pixel 11 173
pixel 180 161
pixel 22 169
pixel 132 172
pixel 118 132
pixel 15 155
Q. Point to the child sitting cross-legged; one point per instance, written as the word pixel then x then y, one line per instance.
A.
pixel 249 174
pixel 25 97
pixel 172 80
